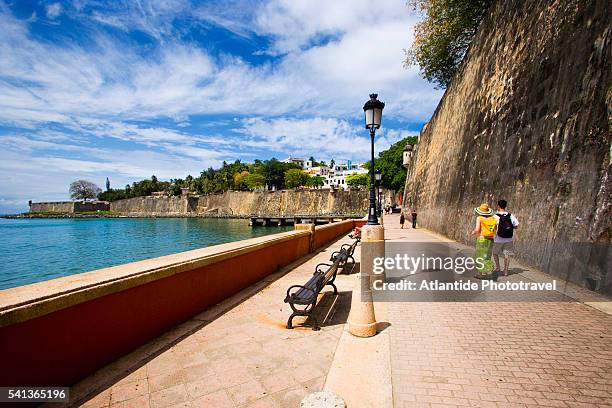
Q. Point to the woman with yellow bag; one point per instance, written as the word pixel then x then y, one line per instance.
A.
pixel 485 229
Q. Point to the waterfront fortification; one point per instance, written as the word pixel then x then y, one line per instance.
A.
pixel 284 203
pixel 527 119
pixel 247 203
pixel 69 207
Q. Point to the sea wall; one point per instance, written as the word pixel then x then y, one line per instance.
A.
pixel 527 119
pixel 69 206
pixel 246 203
pixel 155 205
pixel 89 320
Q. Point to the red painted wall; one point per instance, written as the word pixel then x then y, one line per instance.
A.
pixel 63 347
pixel 360 223
pixel 326 233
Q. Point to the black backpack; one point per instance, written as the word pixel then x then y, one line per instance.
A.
pixel 504 226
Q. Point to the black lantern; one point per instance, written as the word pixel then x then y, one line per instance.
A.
pixel 373 116
pixel 373 112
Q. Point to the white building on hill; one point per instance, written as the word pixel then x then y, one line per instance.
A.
pixel 335 177
pixel 295 160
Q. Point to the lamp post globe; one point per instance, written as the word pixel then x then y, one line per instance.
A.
pixel 372 110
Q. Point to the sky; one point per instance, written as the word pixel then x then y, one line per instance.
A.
pixel 91 89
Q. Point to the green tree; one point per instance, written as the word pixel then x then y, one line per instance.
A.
pixel 358 180
pixel 391 164
pixel 315 181
pixel 295 178
pixel 442 38
pixel 254 181
pixel 240 180
pixel 274 171
pixel 112 195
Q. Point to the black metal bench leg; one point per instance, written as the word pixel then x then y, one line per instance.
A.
pixel 290 321
pixel 333 286
pixel 315 323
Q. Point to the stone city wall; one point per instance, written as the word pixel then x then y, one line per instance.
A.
pixel 246 203
pixel 527 119
pixel 69 207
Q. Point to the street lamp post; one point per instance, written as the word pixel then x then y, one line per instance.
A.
pixel 378 177
pixel 373 115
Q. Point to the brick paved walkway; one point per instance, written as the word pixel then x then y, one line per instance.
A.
pixel 238 354
pixel 498 354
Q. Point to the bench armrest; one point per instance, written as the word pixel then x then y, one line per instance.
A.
pixel 288 297
pixel 321 264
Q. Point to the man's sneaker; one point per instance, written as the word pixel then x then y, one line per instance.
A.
pixel 482 277
pixel 494 275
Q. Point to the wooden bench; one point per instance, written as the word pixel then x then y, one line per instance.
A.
pixel 303 298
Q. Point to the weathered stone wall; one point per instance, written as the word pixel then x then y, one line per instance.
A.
pixel 244 203
pixel 69 207
pixel 154 206
pixel 527 118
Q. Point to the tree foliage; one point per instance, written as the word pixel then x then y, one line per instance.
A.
pixel 442 38
pixel 315 181
pixel 358 180
pixel 391 164
pixel 83 190
pixel 255 181
pixel 295 178
pixel 230 176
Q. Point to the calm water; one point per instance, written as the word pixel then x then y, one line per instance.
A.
pixel 35 250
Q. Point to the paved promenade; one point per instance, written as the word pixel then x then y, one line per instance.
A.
pixel 510 353
pixel 556 353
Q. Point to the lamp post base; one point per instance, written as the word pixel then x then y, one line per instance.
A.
pixel 362 321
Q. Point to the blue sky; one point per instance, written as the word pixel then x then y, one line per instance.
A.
pixel 128 89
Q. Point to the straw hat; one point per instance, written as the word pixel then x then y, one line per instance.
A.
pixel 484 209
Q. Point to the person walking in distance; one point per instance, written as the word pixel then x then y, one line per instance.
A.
pixel 414 217
pixel 402 220
pixel 502 241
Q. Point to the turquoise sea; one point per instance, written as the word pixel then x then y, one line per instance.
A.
pixel 34 250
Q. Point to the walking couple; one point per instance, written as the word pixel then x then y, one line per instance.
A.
pixel 495 233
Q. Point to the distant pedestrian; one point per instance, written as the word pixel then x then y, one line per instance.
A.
pixel 485 231
pixel 502 241
pixel 414 218
pixel 402 220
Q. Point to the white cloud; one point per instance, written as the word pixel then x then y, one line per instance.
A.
pixel 54 10
pixel 323 138
pixel 64 97
pixel 180 80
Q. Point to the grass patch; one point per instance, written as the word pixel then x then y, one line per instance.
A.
pixel 44 214
pixel 100 213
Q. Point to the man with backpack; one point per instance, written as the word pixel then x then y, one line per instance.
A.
pixel 502 241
